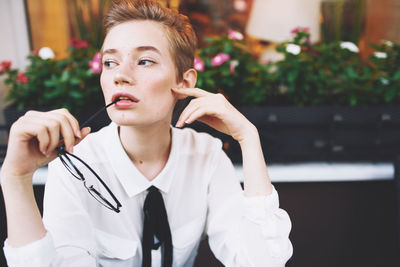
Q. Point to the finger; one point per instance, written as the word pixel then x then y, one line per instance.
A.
pixel 63 112
pixel 33 125
pixel 43 138
pixel 53 128
pixel 58 122
pixel 56 125
pixel 195 92
pixel 178 95
pixel 72 120
pixel 32 113
pixel 67 133
pixel 34 129
pixel 199 113
pixel 193 105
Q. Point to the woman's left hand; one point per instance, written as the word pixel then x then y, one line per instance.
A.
pixel 215 111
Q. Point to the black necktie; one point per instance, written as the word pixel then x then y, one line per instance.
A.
pixel 156 225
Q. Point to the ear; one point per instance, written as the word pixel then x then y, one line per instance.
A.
pixel 189 79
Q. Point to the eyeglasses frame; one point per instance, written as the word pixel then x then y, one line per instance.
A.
pixel 92 191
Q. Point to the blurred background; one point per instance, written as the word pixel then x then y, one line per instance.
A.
pixel 319 78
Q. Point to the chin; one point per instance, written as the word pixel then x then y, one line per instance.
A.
pixel 139 118
pixel 123 117
pixel 122 120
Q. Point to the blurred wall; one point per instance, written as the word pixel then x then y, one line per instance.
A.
pixel 14 45
pixel 382 23
pixel 49 25
pixel 383 20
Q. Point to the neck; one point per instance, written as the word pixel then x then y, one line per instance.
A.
pixel 148 145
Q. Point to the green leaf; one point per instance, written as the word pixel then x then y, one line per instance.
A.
pixel 75 95
pixel 396 75
pixel 64 76
pixel 390 94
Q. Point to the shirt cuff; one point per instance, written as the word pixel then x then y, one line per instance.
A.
pixel 39 253
pixel 262 210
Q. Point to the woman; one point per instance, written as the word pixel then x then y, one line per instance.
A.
pixel 147 60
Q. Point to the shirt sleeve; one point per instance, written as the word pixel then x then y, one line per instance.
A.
pixel 69 237
pixel 31 254
pixel 245 231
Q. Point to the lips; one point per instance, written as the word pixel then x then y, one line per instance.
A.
pixel 124 97
pixel 124 100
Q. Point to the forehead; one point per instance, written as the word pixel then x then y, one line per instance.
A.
pixel 132 34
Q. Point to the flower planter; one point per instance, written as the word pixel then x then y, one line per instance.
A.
pixel 290 134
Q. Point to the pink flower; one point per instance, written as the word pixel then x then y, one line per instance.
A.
pixel 232 65
pixel 219 59
pixel 78 44
pixel 235 35
pixel 5 65
pixel 22 78
pixel 95 63
pixel 198 64
pixel 299 29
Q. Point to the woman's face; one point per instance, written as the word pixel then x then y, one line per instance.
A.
pixel 138 68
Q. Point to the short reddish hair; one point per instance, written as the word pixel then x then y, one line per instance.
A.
pixel 179 31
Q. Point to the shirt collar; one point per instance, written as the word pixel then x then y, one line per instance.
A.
pixel 132 180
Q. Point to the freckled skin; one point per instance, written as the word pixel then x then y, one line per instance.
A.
pixel 127 70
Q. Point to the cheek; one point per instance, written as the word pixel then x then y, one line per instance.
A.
pixel 160 87
pixel 163 100
pixel 103 83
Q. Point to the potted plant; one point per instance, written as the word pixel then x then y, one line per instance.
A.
pixel 48 83
pixel 320 102
pixel 71 82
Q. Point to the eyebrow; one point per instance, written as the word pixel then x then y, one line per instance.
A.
pixel 147 48
pixel 139 48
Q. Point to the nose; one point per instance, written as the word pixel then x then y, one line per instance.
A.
pixel 123 76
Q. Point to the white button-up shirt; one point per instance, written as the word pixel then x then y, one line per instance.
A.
pixel 202 195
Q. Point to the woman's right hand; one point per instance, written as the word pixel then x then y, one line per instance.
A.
pixel 33 140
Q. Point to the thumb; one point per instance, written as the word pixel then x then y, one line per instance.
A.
pixel 84 132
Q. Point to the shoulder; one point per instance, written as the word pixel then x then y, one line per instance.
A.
pixel 191 141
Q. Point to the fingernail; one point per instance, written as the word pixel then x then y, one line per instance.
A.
pixel 71 149
pixel 78 133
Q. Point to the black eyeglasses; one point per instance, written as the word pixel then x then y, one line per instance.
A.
pixel 96 187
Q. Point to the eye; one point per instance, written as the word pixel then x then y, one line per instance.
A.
pixel 109 64
pixel 146 62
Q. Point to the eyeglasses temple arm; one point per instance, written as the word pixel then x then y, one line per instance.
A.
pixel 97 113
pixel 61 148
